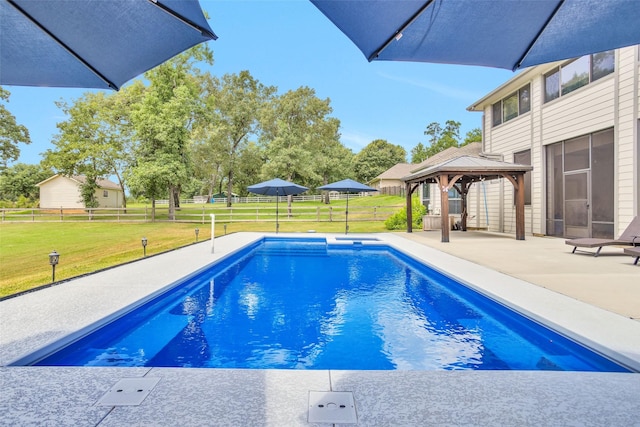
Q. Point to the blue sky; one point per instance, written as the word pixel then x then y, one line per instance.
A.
pixel 289 44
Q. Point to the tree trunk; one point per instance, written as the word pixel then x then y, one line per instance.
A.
pixel 153 209
pixel 229 187
pixel 172 206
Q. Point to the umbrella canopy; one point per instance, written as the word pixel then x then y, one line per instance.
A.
pixel 93 43
pixel 347 186
pixel 498 33
pixel 276 187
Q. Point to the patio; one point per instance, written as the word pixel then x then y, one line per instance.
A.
pixel 592 298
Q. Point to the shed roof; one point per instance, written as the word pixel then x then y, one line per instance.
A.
pixel 103 184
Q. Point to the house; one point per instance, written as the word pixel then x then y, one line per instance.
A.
pixel 61 191
pixel 390 181
pixel 577 123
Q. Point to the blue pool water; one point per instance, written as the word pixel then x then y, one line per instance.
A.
pixel 304 304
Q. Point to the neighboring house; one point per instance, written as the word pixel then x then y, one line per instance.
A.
pixel 64 192
pixel 577 122
pixel 390 181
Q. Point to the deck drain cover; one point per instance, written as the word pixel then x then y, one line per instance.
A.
pixel 332 407
pixel 128 392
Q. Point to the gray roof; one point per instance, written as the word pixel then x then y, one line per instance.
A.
pixel 472 149
pixel 395 172
pixel 468 165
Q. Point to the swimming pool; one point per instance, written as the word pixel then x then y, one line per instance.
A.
pixel 307 304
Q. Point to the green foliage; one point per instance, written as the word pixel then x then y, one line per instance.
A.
pixel 418 153
pixel 88 190
pixel 20 181
pixel 11 133
pixel 474 135
pixel 377 157
pixel 398 221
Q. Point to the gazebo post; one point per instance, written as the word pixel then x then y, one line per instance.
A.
pixel 444 206
pixel 408 193
pixel 520 207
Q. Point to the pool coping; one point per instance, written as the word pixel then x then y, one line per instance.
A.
pixel 33 320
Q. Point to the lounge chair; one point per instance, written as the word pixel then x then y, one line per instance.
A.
pixel 630 237
pixel 635 251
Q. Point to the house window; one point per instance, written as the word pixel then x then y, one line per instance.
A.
pixel 426 194
pixel 574 75
pixel 524 158
pixel 497 113
pixel 519 102
pixel 455 202
pixel 105 193
pixel 578 73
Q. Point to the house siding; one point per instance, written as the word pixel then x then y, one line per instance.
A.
pixel 612 102
pixel 63 192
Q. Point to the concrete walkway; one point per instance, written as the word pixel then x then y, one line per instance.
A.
pixel 59 396
pixel 609 281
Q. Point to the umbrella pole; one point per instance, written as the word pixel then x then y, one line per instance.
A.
pixel 346 216
pixel 277 224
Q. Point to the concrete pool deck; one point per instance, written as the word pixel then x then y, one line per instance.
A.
pixel 595 299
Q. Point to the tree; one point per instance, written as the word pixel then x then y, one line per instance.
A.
pixel 234 105
pixel 249 167
pixel 96 139
pixel 11 133
pixel 163 120
pixel 440 139
pixel 418 153
pixel 291 127
pixel 20 180
pixel 474 135
pixel 377 157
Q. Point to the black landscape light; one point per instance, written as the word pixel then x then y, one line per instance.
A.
pixel 54 258
pixel 197 231
pixel 144 246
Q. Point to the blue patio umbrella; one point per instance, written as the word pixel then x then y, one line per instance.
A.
pixel 347 186
pixel 93 43
pixel 498 33
pixel 276 187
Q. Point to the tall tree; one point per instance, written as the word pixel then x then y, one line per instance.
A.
pixel 474 135
pixel 418 153
pixel 234 105
pixel 332 160
pixel 163 122
pixel 378 156
pixel 293 127
pixel 96 139
pixel 442 138
pixel 11 133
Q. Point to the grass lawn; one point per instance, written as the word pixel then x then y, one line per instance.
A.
pixel 85 247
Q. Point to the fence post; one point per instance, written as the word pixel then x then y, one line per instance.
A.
pixel 330 213
pixel 61 214
pixel 374 213
pixel 33 215
pixel 213 231
pixel 318 213
pixel 145 213
pixel 203 214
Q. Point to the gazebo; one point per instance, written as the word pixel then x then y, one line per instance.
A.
pixel 459 173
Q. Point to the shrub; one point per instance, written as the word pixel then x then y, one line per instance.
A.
pixel 398 221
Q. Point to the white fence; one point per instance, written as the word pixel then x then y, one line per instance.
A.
pixel 267 199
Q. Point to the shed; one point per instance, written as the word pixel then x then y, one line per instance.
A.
pixel 61 191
